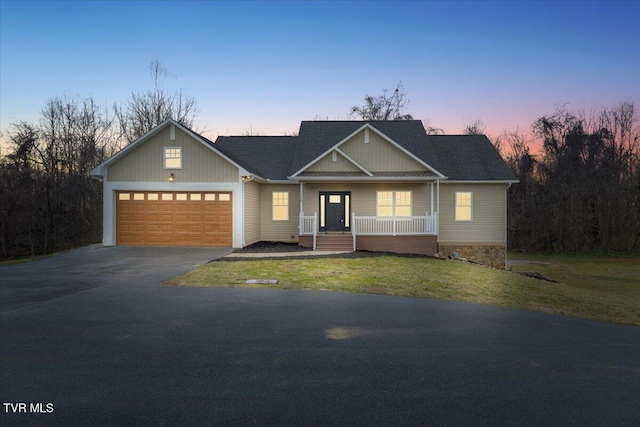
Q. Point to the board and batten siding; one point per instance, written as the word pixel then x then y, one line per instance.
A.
pixel 251 212
pixel 379 155
pixel 488 214
pixel 279 231
pixel 364 197
pixel 146 162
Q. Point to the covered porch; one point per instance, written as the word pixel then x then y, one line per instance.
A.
pixel 399 217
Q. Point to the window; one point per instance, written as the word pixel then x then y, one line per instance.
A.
pixel 394 203
pixel 463 205
pixel 280 206
pixel 173 158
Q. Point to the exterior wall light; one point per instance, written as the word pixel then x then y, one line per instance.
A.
pixel 172 177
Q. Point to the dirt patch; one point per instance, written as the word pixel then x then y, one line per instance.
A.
pixel 536 275
pixel 270 247
pixel 630 260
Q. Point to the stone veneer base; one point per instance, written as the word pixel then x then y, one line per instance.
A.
pixel 490 254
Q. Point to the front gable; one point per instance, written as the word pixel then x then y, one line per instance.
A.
pixel 376 154
pixel 370 153
pixel 144 162
pixel 335 161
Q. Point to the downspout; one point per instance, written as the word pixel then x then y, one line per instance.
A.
pixel 506 234
pixel 301 213
pixel 244 223
pixel 438 210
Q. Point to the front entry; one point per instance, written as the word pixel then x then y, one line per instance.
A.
pixel 335 208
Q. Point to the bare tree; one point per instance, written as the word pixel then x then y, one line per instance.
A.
pixel 431 130
pixel 384 107
pixel 250 132
pixel 47 199
pixel 475 127
pixel 583 191
pixel 146 110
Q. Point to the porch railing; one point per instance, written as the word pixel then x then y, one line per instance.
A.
pixel 395 226
pixel 309 226
pixel 376 226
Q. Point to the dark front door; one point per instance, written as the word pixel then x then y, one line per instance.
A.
pixel 334 211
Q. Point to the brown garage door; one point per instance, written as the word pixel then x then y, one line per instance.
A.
pixel 173 219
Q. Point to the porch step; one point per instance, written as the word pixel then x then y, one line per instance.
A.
pixel 334 242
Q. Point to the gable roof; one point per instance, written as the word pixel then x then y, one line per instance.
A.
pixel 276 158
pixel 321 136
pixel 457 157
pixel 99 170
pixel 311 134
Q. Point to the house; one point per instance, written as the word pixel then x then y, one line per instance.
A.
pixel 365 185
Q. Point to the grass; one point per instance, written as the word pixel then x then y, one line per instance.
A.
pixel 598 288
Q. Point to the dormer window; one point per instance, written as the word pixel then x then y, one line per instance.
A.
pixel 173 158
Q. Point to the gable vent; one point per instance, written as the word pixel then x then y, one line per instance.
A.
pixel 366 136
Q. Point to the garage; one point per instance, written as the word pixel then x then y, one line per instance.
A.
pixel 157 218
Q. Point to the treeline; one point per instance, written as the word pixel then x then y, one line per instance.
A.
pixel 48 201
pixel 582 191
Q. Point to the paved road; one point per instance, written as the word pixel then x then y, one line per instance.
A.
pixel 113 347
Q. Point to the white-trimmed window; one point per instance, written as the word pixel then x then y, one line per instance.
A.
pixel 172 157
pixel 280 201
pixel 393 203
pixel 464 205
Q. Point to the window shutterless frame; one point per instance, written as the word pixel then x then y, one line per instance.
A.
pixel 463 205
pixel 172 157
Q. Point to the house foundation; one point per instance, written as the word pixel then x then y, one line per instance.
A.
pixel 490 254
pixel 418 245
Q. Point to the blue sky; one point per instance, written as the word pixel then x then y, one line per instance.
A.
pixel 270 65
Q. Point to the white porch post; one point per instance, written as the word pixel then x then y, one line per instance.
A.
pixel 438 209
pixel 431 204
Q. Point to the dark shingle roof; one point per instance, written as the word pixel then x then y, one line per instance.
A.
pixel 458 157
pixel 469 158
pixel 266 156
pixel 318 137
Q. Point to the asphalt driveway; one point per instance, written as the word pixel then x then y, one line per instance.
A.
pixel 94 334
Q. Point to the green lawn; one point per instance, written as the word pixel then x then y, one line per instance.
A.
pixel 592 287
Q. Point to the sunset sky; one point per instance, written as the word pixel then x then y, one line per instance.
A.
pixel 269 65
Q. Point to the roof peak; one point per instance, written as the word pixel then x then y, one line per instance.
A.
pixel 359 121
